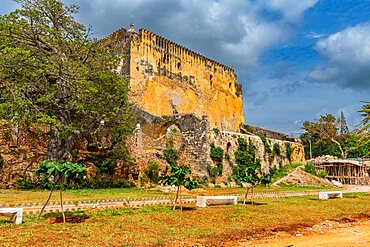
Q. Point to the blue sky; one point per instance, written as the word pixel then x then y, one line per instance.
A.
pixel 296 59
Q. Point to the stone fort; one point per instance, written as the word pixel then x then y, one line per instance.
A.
pixel 187 101
pixel 182 99
pixel 169 79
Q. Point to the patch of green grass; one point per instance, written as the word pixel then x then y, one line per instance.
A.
pixel 37 196
pixel 285 170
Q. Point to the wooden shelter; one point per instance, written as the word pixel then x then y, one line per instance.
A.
pixel 346 171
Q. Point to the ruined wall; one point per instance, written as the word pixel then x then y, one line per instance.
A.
pixel 168 79
pixel 21 151
pixel 193 137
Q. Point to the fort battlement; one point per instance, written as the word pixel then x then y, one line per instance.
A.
pixel 178 52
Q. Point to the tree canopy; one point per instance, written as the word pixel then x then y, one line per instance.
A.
pixel 325 128
pixel 52 72
pixel 330 136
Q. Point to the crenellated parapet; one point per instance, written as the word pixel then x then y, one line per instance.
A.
pixel 179 52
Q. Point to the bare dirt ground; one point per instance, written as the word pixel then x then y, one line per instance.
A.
pixel 327 233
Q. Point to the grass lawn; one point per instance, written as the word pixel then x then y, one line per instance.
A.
pixel 37 196
pixel 19 196
pixel 160 225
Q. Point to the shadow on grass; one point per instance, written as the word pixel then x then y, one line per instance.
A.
pixel 254 203
pixel 71 217
pixel 5 220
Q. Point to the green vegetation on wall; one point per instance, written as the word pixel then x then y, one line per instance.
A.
pixel 171 155
pixel 217 153
pixel 266 144
pixel 276 149
pixel 248 167
pixel 289 151
pixel 152 172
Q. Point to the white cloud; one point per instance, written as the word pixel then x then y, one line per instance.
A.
pixel 234 32
pixel 292 10
pixel 347 57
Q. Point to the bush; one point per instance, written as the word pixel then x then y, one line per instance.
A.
pixel 171 155
pixel 217 153
pixel 214 171
pixel 312 170
pixel 152 172
pixel 97 183
pixel 105 163
pixel 242 143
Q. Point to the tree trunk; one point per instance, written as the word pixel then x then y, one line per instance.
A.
pixel 61 203
pixel 177 195
pixel 342 153
pixel 47 201
pixel 246 194
pixel 59 149
pixel 252 199
pixel 180 198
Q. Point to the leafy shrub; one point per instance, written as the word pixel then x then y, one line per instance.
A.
pixel 248 167
pixel 152 172
pixel 312 170
pixel 242 143
pixel 101 183
pixel 171 155
pixel 214 171
pixel 217 153
pixel 322 173
pixel 276 149
pixel 216 130
pixel 105 163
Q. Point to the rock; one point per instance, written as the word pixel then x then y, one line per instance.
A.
pixel 337 183
pixel 211 185
pixel 232 184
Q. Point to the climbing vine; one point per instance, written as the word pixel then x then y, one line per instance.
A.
pixel 289 151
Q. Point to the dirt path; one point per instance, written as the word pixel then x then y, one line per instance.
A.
pixel 327 233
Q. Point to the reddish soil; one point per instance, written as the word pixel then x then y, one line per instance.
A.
pixel 348 230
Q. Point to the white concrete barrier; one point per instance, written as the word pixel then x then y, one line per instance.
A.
pixel 324 195
pixel 15 214
pixel 204 201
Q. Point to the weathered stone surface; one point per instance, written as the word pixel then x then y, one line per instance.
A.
pixel 20 157
pixel 193 138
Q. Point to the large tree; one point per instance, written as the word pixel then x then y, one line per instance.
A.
pixel 52 72
pixel 325 128
pixel 342 124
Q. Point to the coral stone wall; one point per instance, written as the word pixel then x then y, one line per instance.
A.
pixel 168 79
pixel 193 139
pixel 21 151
